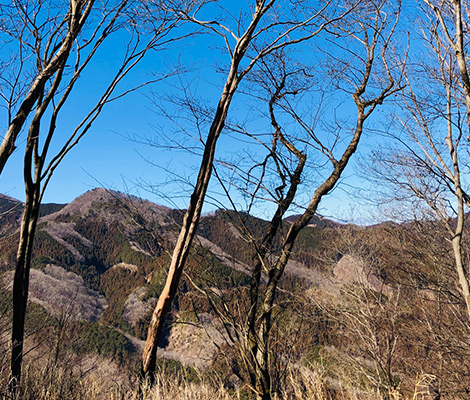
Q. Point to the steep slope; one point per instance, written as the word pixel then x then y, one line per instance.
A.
pixel 102 260
pixel 10 214
pixel 103 257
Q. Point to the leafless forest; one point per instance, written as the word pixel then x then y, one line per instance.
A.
pixel 115 297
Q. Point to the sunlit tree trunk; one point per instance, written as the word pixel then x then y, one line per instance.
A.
pixel 21 284
pixel 193 213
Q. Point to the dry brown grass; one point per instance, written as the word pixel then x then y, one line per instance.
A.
pixel 89 379
pixel 94 378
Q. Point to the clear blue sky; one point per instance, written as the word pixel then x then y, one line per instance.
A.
pixel 106 157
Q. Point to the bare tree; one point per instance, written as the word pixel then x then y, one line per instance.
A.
pixel 55 43
pixel 426 167
pixel 21 23
pixel 259 332
pixel 373 321
pixel 268 28
pixel 278 176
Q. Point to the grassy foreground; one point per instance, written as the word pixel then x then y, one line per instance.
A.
pixel 95 378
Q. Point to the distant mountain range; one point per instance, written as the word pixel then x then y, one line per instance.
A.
pixel 102 259
pixel 317 221
pixel 109 252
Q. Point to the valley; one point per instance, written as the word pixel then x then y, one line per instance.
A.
pixel 371 307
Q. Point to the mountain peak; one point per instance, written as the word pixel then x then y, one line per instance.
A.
pixel 317 220
pixel 6 198
pixel 112 206
pixel 83 203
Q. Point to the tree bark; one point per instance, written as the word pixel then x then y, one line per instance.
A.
pixel 275 274
pixel 77 15
pixel 193 213
pixel 21 285
pixel 457 44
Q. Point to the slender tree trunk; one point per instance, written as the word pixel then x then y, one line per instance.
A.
pixel 188 230
pixel 78 14
pixel 457 239
pixel 257 355
pixel 263 379
pixel 44 92
pixel 25 248
pixel 193 213
pixel 21 284
pixel 458 46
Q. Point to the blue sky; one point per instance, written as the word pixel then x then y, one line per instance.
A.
pixel 107 156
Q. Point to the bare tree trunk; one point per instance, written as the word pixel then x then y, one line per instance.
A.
pixel 193 213
pixel 77 15
pixel 260 346
pixel 190 221
pixel 457 239
pixel 257 351
pixel 456 42
pixel 275 274
pixel 21 284
pixel 44 96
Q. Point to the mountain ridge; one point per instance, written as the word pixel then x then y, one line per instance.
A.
pixel 103 258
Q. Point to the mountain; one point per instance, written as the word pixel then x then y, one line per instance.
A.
pixel 316 221
pixel 102 259
pixel 10 214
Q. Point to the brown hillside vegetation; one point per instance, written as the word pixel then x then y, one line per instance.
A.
pixel 363 312
pixel 276 112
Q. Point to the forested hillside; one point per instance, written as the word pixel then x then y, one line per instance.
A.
pixel 260 124
pixel 370 307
